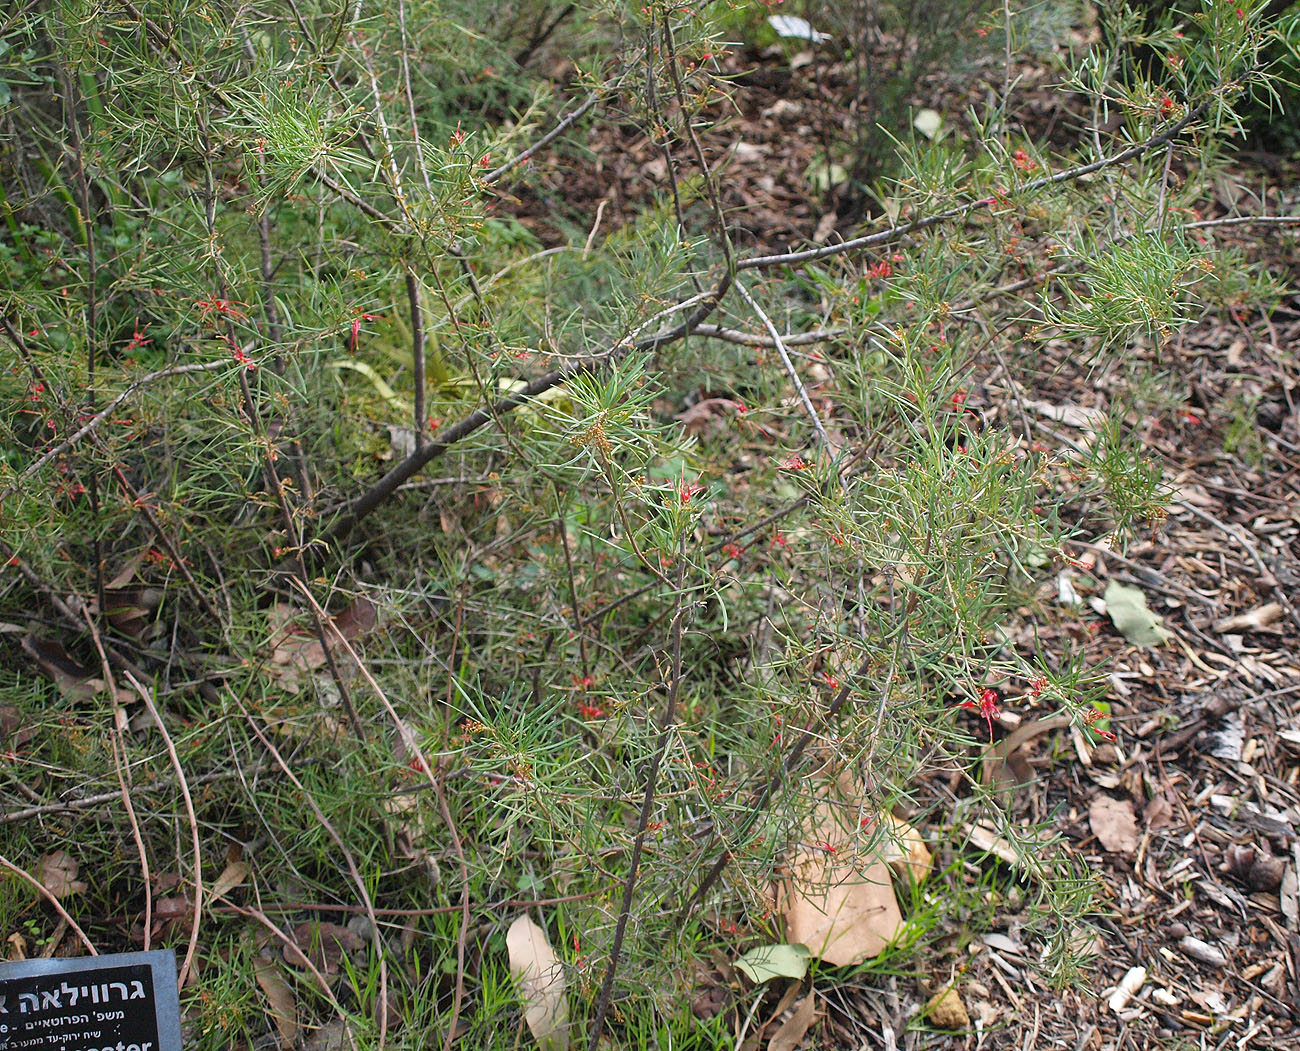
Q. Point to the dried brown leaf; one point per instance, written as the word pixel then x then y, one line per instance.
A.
pixel 841 905
pixel 1114 824
pixel 231 877
pixel 57 873
pixel 279 996
pixel 541 984
pixel 296 648
pixel 708 417
pixel 795 1028
pixel 75 682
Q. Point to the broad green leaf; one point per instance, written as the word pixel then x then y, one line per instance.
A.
pixel 1128 612
pixel 774 961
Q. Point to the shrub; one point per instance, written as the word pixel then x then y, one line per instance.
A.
pixel 655 529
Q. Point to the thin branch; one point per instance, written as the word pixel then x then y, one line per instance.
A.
pixel 542 34
pixel 194 828
pixel 1266 574
pixel 666 723
pixel 100 799
pixel 417 357
pixel 348 859
pixel 462 937
pixel 753 339
pixel 45 893
pixel 963 210
pixel 298 954
pixel 92 424
pixel 1246 220
pixel 564 125
pixel 791 371
pixel 120 768
pixel 809 733
pixel 480 417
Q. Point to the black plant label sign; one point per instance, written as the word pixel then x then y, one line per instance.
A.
pixel 125 1002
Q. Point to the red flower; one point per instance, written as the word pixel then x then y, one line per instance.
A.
pixel 987 706
pixel 356 327
pixel 1090 718
pixel 1023 161
pixel 591 711
pixel 228 307
pixel 687 490
pixel 137 341
pixel 794 463
pixel 240 357
pixel 732 550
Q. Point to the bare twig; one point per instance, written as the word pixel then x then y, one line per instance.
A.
pixel 562 529
pixel 791 371
pixel 194 828
pixel 260 917
pixel 564 124
pixel 73 806
pixel 1246 220
pixel 417 356
pixel 753 339
pixel 1265 573
pixel 92 424
pixel 348 859
pixel 462 936
pixel 119 766
pixel 666 722
pixel 480 417
pixel 45 893
pixel 961 211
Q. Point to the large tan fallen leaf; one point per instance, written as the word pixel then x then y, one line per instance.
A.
pixel 284 1009
pixel 57 873
pixel 1114 824
pixel 906 852
pixel 835 901
pixel 541 984
pixel 796 1027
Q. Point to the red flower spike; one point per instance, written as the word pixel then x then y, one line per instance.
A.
pixel 687 490
pixel 1090 718
pixel 987 706
pixel 356 328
